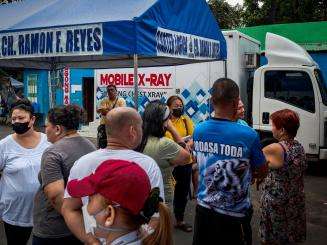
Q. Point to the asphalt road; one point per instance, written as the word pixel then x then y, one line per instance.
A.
pixel 316 204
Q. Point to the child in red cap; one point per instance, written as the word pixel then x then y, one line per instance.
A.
pixel 121 200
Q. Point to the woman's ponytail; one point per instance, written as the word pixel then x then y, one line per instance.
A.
pixel 162 235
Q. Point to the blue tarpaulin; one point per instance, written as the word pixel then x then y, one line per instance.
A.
pixel 107 33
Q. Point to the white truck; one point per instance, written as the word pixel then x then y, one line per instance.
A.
pixel 291 79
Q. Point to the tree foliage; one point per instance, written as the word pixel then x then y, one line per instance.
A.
pixel 263 12
pixel 228 17
pixel 283 11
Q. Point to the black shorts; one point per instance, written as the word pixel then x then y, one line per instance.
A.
pixel 211 227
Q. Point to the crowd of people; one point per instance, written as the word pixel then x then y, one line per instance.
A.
pixel 58 187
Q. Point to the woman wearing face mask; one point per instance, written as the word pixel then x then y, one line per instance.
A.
pixel 68 146
pixel 164 151
pixel 182 174
pixel 120 201
pixel 20 160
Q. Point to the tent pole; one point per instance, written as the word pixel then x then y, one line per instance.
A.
pixel 52 90
pixel 136 82
pixel 225 68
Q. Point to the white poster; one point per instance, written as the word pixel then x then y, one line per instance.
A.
pixel 191 82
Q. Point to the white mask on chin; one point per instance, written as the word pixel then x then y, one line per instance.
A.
pixel 90 225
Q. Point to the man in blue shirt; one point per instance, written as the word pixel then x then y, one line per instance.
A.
pixel 227 154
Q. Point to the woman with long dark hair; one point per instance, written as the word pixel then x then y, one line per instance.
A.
pixel 164 151
pixel 20 160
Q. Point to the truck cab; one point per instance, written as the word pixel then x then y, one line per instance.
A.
pixel 292 80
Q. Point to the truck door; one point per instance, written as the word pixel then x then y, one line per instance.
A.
pixel 291 89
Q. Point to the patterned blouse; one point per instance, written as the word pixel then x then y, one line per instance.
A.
pixel 283 216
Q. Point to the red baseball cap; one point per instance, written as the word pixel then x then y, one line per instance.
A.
pixel 119 181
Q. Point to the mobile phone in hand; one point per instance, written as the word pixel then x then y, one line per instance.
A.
pixel 187 138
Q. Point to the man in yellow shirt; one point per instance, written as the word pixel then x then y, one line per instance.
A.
pixel 182 174
pixel 105 106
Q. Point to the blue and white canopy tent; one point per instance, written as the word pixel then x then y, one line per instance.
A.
pixel 51 34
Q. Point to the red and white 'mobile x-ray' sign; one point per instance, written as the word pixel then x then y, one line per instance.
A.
pixel 154 82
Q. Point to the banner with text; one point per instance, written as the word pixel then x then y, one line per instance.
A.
pixel 154 83
pixel 61 41
pixel 183 45
pixel 66 86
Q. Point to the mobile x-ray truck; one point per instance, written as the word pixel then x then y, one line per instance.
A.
pixel 290 79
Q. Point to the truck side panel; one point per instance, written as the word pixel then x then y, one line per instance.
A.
pixel 193 83
pixel 238 45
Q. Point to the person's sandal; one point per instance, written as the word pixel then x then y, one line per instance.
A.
pixel 184 227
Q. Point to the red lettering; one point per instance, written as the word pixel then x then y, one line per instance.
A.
pixel 160 80
pixel 66 86
pixel 141 79
pixel 130 79
pixel 153 79
pixel 104 79
pixel 118 79
pixel 126 83
pixel 127 79
pixel 111 79
pixel 66 100
pixel 66 72
pixel 167 77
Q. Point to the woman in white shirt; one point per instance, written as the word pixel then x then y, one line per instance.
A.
pixel 20 159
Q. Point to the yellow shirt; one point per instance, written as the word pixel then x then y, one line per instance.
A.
pixel 110 104
pixel 184 126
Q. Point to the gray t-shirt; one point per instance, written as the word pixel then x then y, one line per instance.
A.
pixel 56 163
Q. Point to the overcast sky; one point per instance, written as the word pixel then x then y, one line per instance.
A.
pixel 234 2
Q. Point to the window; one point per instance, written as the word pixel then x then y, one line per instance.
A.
pixel 322 85
pixel 292 87
pixel 32 87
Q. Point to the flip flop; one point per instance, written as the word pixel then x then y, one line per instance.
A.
pixel 184 227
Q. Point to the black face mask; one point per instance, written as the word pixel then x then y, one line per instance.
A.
pixel 20 128
pixel 178 112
